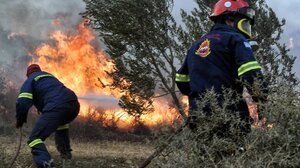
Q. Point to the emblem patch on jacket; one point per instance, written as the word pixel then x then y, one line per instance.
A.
pixel 204 49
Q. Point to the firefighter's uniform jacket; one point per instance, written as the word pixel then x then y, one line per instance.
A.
pixel 217 61
pixel 58 106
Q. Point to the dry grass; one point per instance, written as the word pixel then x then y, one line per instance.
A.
pixel 93 154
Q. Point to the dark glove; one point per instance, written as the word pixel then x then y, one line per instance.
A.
pixel 192 122
pixel 19 124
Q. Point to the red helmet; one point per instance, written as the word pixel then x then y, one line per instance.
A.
pixel 223 7
pixel 32 68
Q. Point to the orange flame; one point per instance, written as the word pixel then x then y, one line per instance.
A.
pixel 252 106
pixel 76 62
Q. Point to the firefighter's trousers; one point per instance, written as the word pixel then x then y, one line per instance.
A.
pixel 55 120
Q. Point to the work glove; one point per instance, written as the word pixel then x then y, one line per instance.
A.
pixel 19 124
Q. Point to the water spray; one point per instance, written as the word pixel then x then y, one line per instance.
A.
pixel 107 99
pixel 106 102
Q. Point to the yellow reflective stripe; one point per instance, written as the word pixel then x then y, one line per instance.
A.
pixel 25 95
pixel 248 67
pixel 182 78
pixel 66 126
pixel 35 142
pixel 41 76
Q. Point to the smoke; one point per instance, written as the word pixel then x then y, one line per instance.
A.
pixel 34 17
pixel 24 25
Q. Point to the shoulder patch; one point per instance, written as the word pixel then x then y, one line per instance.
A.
pixel 204 49
pixel 247 44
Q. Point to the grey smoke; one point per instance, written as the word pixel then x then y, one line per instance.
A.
pixel 34 17
pixel 31 22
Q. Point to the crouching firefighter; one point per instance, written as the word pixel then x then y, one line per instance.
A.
pixel 223 58
pixel 58 106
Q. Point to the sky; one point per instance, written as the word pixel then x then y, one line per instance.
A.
pixel 33 18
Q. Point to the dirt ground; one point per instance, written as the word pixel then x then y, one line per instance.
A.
pixel 86 154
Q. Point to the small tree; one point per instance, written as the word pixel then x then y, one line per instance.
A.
pixel 142 41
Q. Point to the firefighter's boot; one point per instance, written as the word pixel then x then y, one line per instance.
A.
pixel 49 164
pixel 40 153
pixel 62 142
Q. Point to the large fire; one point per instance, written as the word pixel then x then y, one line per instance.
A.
pixel 74 58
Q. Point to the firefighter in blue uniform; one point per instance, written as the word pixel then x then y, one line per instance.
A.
pixel 58 106
pixel 221 58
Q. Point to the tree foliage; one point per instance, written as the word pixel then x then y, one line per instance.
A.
pixel 141 38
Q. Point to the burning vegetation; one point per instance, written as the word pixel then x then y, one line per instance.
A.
pixel 73 57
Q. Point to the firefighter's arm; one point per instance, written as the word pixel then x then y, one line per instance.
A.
pixel 249 70
pixel 22 108
pixel 23 104
pixel 182 79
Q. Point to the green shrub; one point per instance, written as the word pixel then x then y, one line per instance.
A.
pixel 274 144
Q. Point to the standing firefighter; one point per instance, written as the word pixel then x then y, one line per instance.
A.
pixel 222 59
pixel 58 106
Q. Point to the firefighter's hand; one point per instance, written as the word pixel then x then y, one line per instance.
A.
pixel 19 124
